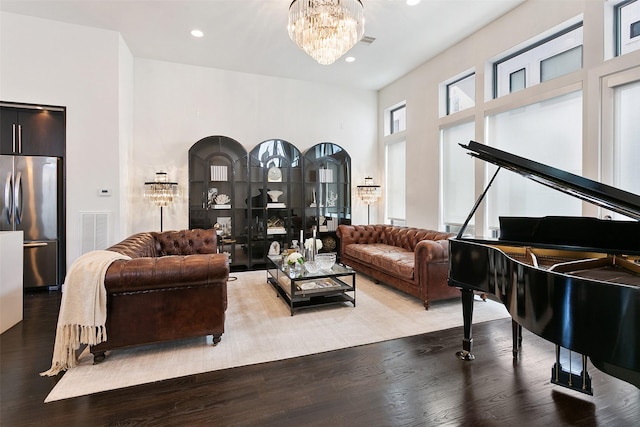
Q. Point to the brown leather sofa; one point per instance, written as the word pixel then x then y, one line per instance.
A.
pixel 173 287
pixel 413 260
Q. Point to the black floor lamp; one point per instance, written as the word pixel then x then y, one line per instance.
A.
pixel 161 192
pixel 368 193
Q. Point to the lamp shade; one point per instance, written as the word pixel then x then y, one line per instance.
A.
pixel 161 192
pixel 369 192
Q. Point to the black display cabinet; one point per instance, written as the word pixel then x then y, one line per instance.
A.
pixel 275 198
pixel 327 192
pixel 218 195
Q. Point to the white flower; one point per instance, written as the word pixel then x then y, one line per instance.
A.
pixel 295 257
pixel 308 244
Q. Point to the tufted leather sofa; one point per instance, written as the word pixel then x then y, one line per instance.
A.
pixel 173 287
pixel 412 260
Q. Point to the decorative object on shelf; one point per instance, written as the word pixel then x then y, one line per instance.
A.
pixel 368 193
pixel 329 243
pixel 295 261
pixel 312 266
pixel 218 173
pixel 212 193
pixel 161 192
pixel 332 224
pixel 274 174
pixel 274 249
pixel 326 260
pixel 295 257
pixel 312 246
pixel 275 225
pixel 218 228
pixel 325 175
pixel 225 225
pixel 274 194
pixel 308 244
pixel 331 199
pixel 326 29
pixel 222 199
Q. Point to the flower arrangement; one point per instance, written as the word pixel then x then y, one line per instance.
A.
pixel 308 244
pixel 295 257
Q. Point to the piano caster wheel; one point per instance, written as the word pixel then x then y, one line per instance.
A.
pixel 465 355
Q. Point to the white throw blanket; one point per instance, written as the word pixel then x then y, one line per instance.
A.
pixel 83 310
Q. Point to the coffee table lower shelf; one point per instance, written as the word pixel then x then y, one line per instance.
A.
pixel 314 297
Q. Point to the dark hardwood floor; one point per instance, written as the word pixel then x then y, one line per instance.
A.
pixel 414 381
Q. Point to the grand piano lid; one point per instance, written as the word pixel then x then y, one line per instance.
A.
pixel 611 198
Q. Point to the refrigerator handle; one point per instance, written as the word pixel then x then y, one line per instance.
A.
pixel 17 197
pixel 34 244
pixel 19 139
pixel 8 198
pixel 13 137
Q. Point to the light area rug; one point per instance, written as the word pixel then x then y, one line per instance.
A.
pixel 259 328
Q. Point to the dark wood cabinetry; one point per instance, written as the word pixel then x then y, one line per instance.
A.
pixel 32 132
pixel 29 133
pixel 265 198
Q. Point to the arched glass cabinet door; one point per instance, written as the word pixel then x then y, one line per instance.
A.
pixel 218 192
pixel 275 197
pixel 327 191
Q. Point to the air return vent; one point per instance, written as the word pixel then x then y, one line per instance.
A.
pixel 94 231
pixel 367 40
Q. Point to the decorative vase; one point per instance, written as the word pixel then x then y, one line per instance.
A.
pixel 274 194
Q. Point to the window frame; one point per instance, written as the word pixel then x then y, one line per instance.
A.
pixel 617 25
pixel 529 47
pixel 447 88
pixel 392 112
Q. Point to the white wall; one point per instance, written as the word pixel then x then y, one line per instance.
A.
pixel 128 117
pixel 46 62
pixel 176 105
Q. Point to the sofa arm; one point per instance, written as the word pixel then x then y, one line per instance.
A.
pixel 432 251
pixel 432 267
pixel 140 274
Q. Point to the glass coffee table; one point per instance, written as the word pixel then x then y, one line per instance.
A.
pixel 301 289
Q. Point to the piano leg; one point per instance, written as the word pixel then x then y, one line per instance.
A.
pixel 516 332
pixel 467 314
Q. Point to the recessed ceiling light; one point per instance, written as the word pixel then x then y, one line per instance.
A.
pixel 349 59
pixel 413 2
pixel 197 33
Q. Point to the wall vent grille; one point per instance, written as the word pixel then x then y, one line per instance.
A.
pixel 367 40
pixel 94 231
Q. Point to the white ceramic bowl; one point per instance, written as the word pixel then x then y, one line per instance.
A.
pixel 326 260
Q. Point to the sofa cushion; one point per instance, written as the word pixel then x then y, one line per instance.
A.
pixel 395 260
pixel 185 242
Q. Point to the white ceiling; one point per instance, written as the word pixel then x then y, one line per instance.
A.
pixel 251 36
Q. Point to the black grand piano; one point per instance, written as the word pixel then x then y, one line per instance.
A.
pixel 574 281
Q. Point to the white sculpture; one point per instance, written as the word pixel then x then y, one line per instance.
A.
pixel 222 199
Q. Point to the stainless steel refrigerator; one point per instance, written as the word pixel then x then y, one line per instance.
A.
pixel 29 203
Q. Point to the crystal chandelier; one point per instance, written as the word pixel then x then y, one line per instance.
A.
pixel 326 29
